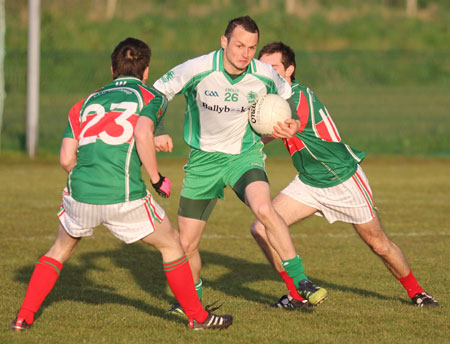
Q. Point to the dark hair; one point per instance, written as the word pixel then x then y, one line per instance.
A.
pixel 246 22
pixel 130 58
pixel 287 54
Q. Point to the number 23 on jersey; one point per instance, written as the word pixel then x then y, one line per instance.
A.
pixel 113 128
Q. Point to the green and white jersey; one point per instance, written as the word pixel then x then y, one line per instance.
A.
pixel 216 111
pixel 108 168
pixel 318 153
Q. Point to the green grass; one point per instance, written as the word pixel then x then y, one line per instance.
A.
pixel 110 292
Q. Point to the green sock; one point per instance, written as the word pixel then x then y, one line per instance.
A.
pixel 199 289
pixel 295 269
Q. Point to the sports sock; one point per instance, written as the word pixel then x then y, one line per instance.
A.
pixel 179 276
pixel 199 289
pixel 294 268
pixel 291 286
pixel 44 277
pixel 409 282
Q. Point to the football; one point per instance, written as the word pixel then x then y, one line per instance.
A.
pixel 266 112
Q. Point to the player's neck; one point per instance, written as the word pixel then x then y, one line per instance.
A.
pixel 230 69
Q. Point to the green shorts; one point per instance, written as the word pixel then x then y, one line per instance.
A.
pixel 207 174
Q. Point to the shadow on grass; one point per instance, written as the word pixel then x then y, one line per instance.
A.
pixel 76 285
pixel 354 290
pixel 145 267
pixel 242 272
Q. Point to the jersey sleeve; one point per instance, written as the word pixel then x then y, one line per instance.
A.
pixel 155 109
pixel 274 82
pixel 73 128
pixel 173 82
pixel 283 87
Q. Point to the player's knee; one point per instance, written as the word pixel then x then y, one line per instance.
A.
pixel 188 246
pixel 380 248
pixel 175 235
pixel 257 230
pixel 264 212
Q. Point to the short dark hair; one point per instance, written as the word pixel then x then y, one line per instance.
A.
pixel 130 58
pixel 287 54
pixel 246 22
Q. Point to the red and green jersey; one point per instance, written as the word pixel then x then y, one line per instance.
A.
pixel 108 168
pixel 318 153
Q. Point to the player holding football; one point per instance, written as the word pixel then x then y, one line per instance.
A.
pixel 330 183
pixel 108 137
pixel 219 87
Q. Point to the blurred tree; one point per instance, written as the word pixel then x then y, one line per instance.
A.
pixel 411 7
pixel 110 8
pixel 290 6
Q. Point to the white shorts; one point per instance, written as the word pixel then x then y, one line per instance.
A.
pixel 350 201
pixel 128 221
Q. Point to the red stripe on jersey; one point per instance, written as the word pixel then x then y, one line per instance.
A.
pixel 294 144
pixel 147 95
pixel 323 131
pixel 303 111
pixel 74 119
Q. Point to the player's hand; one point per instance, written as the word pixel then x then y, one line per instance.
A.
pixel 163 186
pixel 163 143
pixel 287 129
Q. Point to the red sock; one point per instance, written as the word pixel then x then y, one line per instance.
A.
pixel 44 277
pixel 291 286
pixel 409 282
pixel 179 277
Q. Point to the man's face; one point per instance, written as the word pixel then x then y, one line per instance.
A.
pixel 239 50
pixel 275 61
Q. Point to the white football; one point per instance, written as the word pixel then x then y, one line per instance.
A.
pixel 266 112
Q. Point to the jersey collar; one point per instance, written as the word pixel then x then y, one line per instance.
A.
pixel 128 79
pixel 218 66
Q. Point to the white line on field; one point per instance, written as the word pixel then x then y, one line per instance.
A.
pixel 294 235
pixel 330 235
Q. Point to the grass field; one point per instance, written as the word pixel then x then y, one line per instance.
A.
pixel 113 293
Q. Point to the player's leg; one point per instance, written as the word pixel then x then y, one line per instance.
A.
pixel 291 211
pixel 192 218
pixel 202 185
pixel 44 277
pixel 257 196
pixel 373 235
pixel 362 214
pixel 144 219
pixel 179 277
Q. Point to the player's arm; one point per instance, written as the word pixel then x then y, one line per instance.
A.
pixel 69 145
pixel 145 146
pixel 68 153
pixel 163 142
